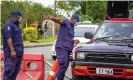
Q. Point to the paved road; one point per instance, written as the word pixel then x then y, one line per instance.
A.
pixel 47 52
pixel 40 50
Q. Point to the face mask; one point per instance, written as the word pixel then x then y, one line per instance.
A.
pixel 20 19
pixel 76 24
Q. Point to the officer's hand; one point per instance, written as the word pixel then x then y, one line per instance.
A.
pixel 49 17
pixel 76 41
pixel 13 54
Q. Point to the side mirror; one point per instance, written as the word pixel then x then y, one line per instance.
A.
pixel 88 35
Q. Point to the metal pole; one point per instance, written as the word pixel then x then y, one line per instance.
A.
pixel 53 23
pixel 26 23
pixel 55 8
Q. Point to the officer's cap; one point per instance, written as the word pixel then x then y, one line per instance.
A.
pixel 16 12
pixel 76 16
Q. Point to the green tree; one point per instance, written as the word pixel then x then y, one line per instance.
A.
pixel 32 12
pixel 131 5
pixel 92 9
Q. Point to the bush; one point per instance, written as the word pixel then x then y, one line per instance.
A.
pixel 30 34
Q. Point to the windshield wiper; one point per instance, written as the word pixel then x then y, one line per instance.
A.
pixel 102 38
pixel 127 40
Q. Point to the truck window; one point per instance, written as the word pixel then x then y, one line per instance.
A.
pixel 117 28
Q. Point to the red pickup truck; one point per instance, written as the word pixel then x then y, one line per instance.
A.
pixel 110 56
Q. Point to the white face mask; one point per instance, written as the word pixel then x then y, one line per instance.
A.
pixel 20 19
pixel 76 24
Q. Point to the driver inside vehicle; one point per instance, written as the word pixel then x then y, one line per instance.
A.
pixel 123 30
pixel 112 31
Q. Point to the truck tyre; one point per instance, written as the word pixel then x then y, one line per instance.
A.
pixel 80 78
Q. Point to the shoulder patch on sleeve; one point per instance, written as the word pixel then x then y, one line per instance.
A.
pixel 8 28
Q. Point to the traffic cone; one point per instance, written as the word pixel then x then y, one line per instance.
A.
pixel 53 70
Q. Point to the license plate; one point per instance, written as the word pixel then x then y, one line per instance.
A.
pixel 105 71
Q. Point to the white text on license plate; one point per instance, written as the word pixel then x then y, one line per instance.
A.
pixel 105 71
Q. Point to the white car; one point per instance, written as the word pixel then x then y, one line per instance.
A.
pixel 87 22
pixel 79 34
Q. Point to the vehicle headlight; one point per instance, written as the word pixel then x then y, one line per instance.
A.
pixel 80 55
pixel 132 58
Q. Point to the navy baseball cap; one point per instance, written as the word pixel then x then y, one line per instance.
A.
pixel 16 12
pixel 76 16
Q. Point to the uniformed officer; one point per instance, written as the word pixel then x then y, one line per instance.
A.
pixel 13 46
pixel 64 43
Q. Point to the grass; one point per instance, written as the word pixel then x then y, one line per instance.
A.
pixel 43 40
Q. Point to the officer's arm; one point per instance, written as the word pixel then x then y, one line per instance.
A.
pixel 8 33
pixel 10 44
pixel 57 20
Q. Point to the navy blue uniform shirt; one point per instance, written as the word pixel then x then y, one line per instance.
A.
pixel 65 35
pixel 11 29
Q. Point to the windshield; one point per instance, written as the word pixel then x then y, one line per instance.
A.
pixel 80 31
pixel 125 29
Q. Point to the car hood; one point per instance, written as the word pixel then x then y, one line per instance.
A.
pixel 82 40
pixel 105 47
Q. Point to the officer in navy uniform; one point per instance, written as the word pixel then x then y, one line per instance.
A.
pixel 65 42
pixel 13 46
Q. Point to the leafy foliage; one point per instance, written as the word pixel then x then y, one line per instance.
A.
pixel 87 9
pixel 30 34
pixel 85 18
pixel 131 5
pixel 32 12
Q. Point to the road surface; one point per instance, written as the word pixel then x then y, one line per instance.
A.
pixel 47 52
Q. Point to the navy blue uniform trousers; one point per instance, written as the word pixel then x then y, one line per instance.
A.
pixel 63 59
pixel 12 68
